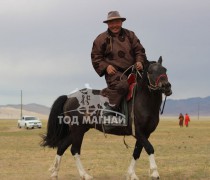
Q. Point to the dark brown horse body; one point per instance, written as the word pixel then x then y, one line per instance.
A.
pixel 68 121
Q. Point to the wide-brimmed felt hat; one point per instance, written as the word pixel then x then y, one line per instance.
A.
pixel 114 15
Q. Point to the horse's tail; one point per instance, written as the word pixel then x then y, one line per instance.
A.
pixel 56 128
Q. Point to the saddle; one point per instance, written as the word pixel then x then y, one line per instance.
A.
pixel 123 108
pixel 132 82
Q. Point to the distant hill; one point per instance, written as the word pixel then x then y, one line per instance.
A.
pixel 41 109
pixel 192 106
pixel 13 111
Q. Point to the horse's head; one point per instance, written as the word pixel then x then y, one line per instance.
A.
pixel 157 77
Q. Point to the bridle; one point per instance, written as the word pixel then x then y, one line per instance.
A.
pixel 150 86
pixel 155 85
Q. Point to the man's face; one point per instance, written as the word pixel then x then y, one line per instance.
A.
pixel 115 25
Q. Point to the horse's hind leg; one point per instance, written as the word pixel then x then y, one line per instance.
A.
pixel 57 161
pixel 83 174
pixel 55 167
pixel 75 150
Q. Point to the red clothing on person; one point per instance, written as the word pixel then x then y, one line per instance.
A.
pixel 186 120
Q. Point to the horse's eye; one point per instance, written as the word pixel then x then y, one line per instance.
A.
pixel 150 71
pixel 165 69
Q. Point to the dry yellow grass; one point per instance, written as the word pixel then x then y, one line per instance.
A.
pixel 181 153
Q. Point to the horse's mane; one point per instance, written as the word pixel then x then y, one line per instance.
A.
pixel 146 67
pixel 147 64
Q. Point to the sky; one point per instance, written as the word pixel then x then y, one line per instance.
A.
pixel 45 45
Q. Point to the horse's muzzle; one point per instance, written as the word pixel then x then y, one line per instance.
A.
pixel 166 88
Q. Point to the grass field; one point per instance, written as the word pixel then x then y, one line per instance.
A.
pixel 181 153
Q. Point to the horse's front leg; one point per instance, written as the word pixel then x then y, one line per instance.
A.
pixel 140 143
pixel 131 175
pixel 153 167
pixel 150 151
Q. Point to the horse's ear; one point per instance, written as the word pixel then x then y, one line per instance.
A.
pixel 160 60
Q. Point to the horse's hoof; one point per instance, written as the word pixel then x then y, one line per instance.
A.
pixel 155 178
pixel 132 176
pixel 54 175
pixel 86 177
pixel 154 174
pixel 54 178
pixel 51 169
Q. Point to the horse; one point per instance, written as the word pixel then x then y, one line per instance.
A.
pixel 145 106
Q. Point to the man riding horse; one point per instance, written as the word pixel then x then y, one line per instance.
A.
pixel 114 51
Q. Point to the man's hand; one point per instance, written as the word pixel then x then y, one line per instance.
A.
pixel 111 70
pixel 139 66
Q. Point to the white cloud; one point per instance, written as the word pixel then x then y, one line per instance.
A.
pixel 26 7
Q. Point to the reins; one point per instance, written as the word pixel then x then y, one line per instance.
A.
pixel 161 111
pixel 151 87
pixel 155 87
pixel 132 66
pixel 132 116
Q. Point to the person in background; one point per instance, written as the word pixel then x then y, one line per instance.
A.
pixel 186 120
pixel 181 120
